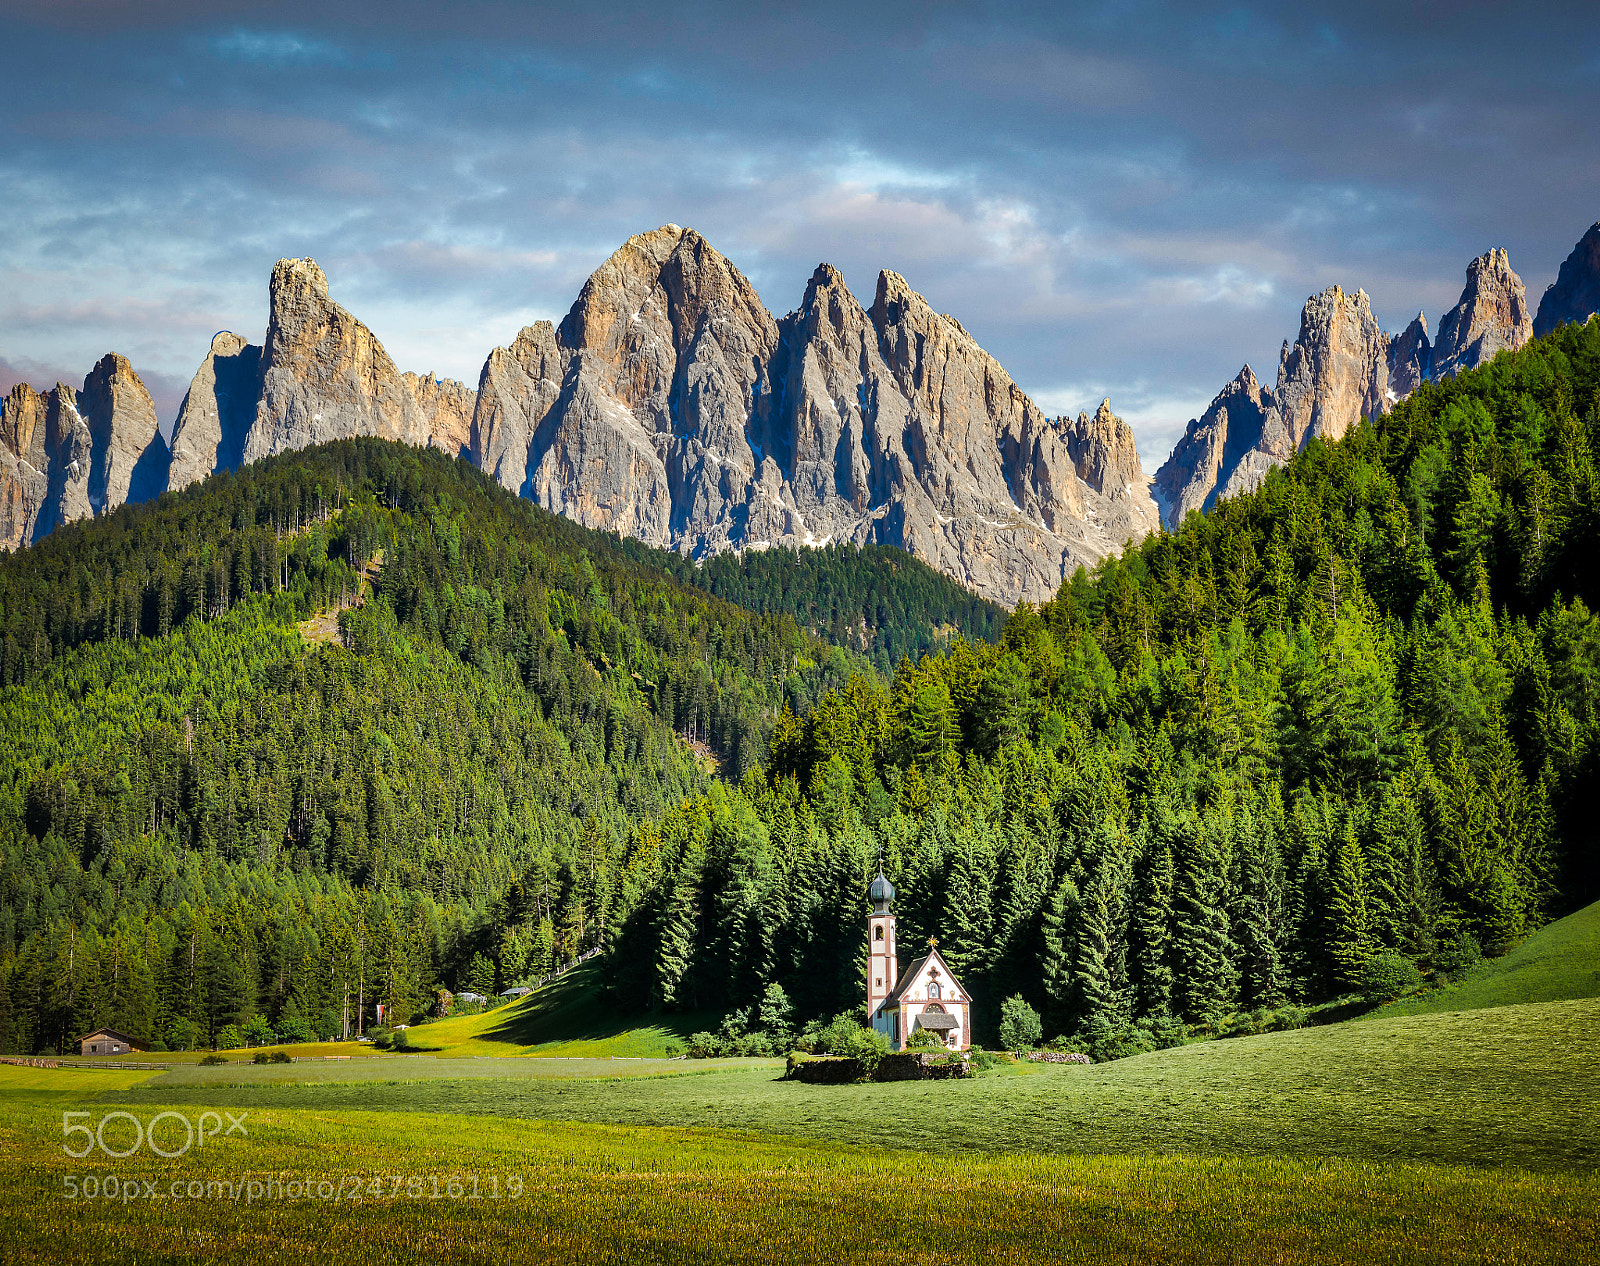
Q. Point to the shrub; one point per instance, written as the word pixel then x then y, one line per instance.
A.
pixel 257 1032
pixel 213 1060
pixel 983 1061
pixel 228 1038
pixel 183 1035
pixel 293 1028
pixel 157 1045
pixel 923 1039
pixel 754 1044
pixel 673 1050
pixel 704 1045
pixel 1289 1016
pixel 1165 1030
pixel 281 1057
pixel 260 1057
pixel 1458 955
pixel 1387 975
pixel 1020 1028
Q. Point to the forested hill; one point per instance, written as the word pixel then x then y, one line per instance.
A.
pixel 202 818
pixel 876 599
pixel 1352 714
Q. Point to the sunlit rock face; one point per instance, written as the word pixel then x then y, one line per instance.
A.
pixel 323 374
pixel 1343 367
pixel 672 406
pixel 69 454
pixel 1491 316
pixel 218 411
pixel 1336 371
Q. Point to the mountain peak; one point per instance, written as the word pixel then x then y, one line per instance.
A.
pixel 1491 316
pixel 1575 293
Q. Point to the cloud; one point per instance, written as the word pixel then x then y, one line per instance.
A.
pixel 276 49
pixel 1129 199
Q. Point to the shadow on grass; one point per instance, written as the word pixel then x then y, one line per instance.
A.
pixel 574 1009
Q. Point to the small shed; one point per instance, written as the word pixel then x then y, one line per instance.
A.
pixel 521 991
pixel 107 1042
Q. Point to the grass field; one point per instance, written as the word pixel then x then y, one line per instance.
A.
pixel 1558 961
pixel 1509 1086
pixel 1466 1135
pixel 606 1193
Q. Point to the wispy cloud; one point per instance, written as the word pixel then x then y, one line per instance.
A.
pixel 276 49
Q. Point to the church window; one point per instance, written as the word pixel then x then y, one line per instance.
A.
pixel 877 933
pixel 933 989
pixel 879 982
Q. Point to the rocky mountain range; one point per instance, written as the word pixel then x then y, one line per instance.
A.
pixel 1342 366
pixel 670 405
pixel 68 453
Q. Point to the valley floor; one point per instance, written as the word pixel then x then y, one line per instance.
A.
pixel 1463 1137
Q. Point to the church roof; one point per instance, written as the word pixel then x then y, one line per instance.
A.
pixel 914 970
pixel 881 890
pixel 937 1020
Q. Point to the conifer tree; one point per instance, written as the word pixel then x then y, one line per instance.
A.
pixel 1202 940
pixel 1350 924
pixel 1152 927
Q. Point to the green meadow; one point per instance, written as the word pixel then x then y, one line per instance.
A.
pixel 492 1189
pixel 1509 1086
pixel 1465 1134
pixel 1560 960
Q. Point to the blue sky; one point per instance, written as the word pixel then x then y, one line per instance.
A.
pixel 1120 199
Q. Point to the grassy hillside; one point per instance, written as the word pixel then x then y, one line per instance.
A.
pixel 1558 961
pixel 1507 1086
pixel 567 1018
pixel 605 1194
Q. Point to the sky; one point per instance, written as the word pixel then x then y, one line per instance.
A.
pixel 1121 199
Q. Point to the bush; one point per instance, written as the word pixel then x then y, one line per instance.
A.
pixel 228 1038
pixel 923 1039
pixel 210 1061
pixel 293 1028
pixel 156 1045
pixel 868 1047
pixel 754 1044
pixel 1460 954
pixel 704 1046
pixel 183 1035
pixel 1165 1030
pixel 1289 1016
pixel 257 1032
pixel 1387 975
pixel 983 1061
pixel 280 1057
pixel 260 1057
pixel 1020 1028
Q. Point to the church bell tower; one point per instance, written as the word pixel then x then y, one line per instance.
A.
pixel 881 969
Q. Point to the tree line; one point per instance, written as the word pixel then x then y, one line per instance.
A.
pixel 183 777
pixel 1349 714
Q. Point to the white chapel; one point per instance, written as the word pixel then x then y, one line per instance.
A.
pixel 926 995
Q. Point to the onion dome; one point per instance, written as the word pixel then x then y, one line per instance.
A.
pixel 881 893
